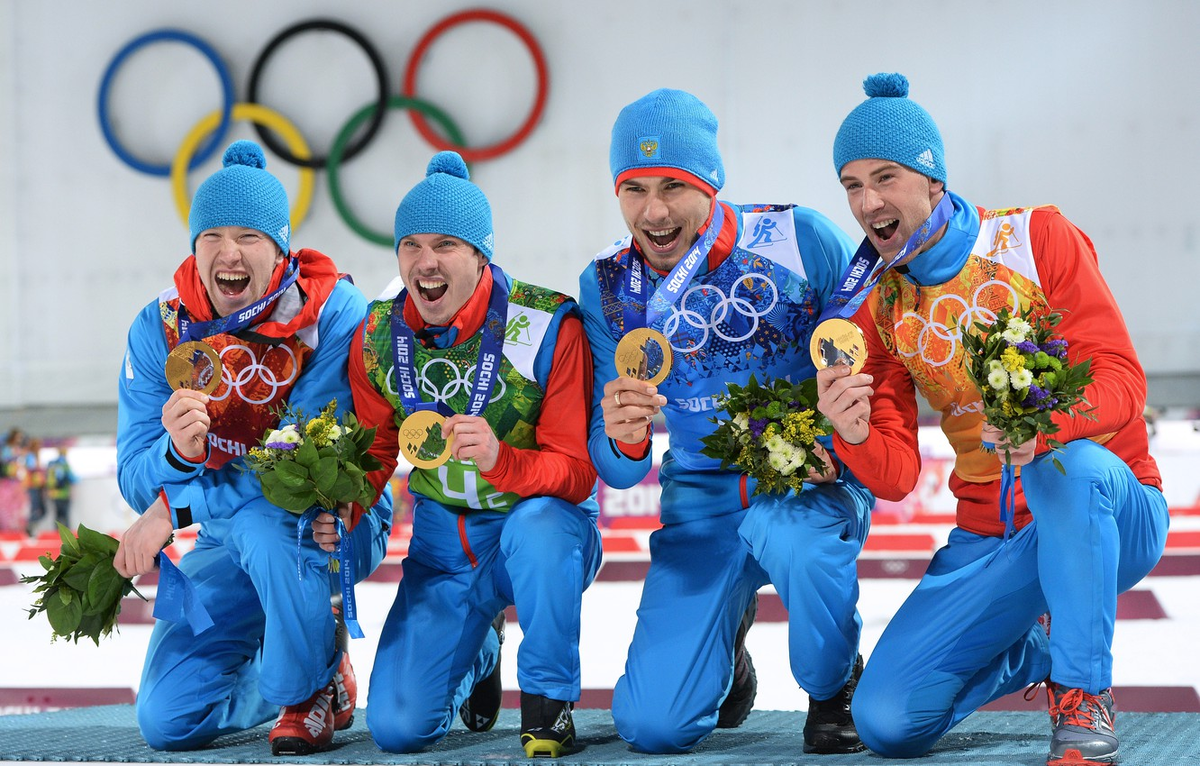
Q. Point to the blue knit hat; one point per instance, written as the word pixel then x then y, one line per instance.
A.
pixel 446 202
pixel 242 193
pixel 665 132
pixel 890 126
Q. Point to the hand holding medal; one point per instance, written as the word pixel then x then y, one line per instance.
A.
pixel 193 365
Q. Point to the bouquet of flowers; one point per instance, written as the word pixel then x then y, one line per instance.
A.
pixel 81 590
pixel 770 434
pixel 1020 367
pixel 315 462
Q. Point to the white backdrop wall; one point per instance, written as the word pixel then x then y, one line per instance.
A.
pixel 1084 104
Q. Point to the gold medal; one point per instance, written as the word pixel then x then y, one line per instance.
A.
pixel 421 439
pixel 643 354
pixel 194 365
pixel 838 341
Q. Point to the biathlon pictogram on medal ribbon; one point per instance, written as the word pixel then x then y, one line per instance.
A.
pixel 284 139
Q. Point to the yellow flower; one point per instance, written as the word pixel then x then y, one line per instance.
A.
pixel 1012 359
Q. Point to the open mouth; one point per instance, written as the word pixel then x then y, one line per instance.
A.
pixel 885 230
pixel 431 290
pixel 664 239
pixel 232 284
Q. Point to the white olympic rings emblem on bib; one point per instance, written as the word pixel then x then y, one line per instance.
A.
pixel 462 380
pixel 952 334
pixel 255 370
pixel 719 312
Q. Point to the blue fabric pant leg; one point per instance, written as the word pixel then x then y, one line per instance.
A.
pixel 549 553
pixel 680 663
pixel 196 688
pixel 1100 532
pixel 809 545
pixel 299 655
pixel 968 633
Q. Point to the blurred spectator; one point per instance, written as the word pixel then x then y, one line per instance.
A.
pixel 13 497
pixel 35 485
pixel 59 479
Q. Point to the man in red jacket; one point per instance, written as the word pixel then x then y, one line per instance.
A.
pixel 970 632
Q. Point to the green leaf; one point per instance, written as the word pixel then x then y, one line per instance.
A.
pixel 97 542
pixel 306 455
pixel 291 475
pixel 103 588
pixel 64 613
pixel 345 487
pixel 296 502
pixel 69 543
pixel 324 474
pixel 80 571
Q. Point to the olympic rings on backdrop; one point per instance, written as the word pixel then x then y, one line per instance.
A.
pixel 539 61
pixel 259 115
pixel 334 164
pixel 164 35
pixel 380 102
pixel 293 149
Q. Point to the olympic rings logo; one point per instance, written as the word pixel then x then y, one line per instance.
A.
pixel 933 331
pixel 208 135
pixel 748 306
pixel 461 381
pixel 255 371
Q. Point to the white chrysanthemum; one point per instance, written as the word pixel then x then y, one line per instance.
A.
pixel 777 460
pixel 1013 335
pixel 777 444
pixel 741 421
pixel 994 365
pixel 275 436
pixel 1020 325
pixel 998 379
pixel 1021 378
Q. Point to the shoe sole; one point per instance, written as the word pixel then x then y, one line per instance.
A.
pixel 546 748
pixel 296 746
pixel 837 750
pixel 1075 758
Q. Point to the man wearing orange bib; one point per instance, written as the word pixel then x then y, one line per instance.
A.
pixel 970 632
pixel 278 326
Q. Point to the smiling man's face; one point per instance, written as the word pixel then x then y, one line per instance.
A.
pixel 235 265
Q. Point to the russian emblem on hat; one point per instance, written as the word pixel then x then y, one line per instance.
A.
pixel 648 146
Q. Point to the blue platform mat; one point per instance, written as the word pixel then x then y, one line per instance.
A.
pixel 109 733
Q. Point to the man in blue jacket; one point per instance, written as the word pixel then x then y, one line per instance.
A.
pixel 735 291
pixel 254 326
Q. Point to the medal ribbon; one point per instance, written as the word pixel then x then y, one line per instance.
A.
pixel 486 368
pixel 189 330
pixel 345 564
pixel 863 272
pixel 177 599
pixel 642 313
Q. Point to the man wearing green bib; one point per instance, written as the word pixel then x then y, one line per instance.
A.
pixel 484 383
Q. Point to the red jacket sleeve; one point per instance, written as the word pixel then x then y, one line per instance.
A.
pixel 560 466
pixel 888 462
pixel 1092 325
pixel 373 411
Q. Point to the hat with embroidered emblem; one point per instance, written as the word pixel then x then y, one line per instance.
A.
pixel 667 133
pixel 242 193
pixel 890 126
pixel 446 202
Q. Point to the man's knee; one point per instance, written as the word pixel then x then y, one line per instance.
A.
pixel 165 729
pixel 886 726
pixel 653 729
pixel 401 734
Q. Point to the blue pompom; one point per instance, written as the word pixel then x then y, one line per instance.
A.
pixel 450 163
pixel 887 84
pixel 245 153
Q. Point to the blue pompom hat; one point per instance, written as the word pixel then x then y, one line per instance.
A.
pixel 890 126
pixel 446 202
pixel 667 133
pixel 242 193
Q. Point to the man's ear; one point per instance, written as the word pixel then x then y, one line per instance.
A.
pixel 936 187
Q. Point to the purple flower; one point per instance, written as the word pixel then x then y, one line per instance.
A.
pixel 282 446
pixel 1037 396
pixel 758 425
pixel 1028 347
pixel 1056 348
